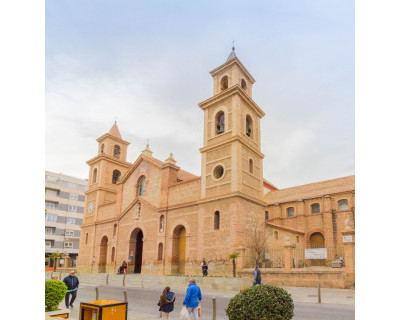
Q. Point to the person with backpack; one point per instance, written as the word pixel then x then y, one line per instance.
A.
pixel 257 276
pixel 166 302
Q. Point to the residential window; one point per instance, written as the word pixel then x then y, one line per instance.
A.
pixel 67 244
pixel 71 220
pixel 73 196
pixel 51 217
pixel 290 212
pixel 343 204
pixel 69 233
pixel 315 208
pixel 51 192
pixel 52 179
pixel 216 220
pixel 51 205
pixel 48 244
pixel 141 185
pixel 266 215
pixel 50 230
pixel 72 208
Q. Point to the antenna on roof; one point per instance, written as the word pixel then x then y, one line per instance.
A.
pixel 233 45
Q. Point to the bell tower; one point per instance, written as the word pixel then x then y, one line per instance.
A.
pixel 106 169
pixel 231 155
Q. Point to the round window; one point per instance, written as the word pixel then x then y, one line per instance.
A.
pixel 218 172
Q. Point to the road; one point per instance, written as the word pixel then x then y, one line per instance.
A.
pixel 142 304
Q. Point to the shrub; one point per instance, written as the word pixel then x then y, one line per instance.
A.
pixel 55 291
pixel 261 303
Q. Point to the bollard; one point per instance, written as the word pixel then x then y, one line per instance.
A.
pixel 125 296
pixel 123 281
pixel 319 293
pixel 107 279
pixel 214 301
pixel 97 293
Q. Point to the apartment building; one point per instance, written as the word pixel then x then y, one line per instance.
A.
pixel 65 201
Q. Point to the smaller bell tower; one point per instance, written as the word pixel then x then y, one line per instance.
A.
pixel 106 169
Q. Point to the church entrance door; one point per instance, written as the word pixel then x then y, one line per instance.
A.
pixel 179 250
pixel 135 251
pixel 103 255
pixel 317 240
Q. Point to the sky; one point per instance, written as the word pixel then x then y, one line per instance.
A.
pixel 146 65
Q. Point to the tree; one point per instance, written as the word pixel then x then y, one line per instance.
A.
pixel 55 256
pixel 233 256
pixel 258 234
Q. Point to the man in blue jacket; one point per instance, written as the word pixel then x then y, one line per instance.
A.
pixel 72 284
pixel 192 298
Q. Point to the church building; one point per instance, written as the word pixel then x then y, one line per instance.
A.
pixel 161 219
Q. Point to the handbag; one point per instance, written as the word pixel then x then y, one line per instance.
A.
pixel 199 310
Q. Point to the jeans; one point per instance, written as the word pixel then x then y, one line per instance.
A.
pixel 256 282
pixel 194 311
pixel 73 293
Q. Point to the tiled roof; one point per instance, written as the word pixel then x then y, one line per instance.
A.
pixel 311 190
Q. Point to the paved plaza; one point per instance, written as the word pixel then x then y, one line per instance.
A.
pixel 142 302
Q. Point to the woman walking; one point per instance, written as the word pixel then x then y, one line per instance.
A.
pixel 166 302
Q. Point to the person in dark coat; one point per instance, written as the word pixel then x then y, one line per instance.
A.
pixel 257 276
pixel 72 284
pixel 204 267
pixel 166 302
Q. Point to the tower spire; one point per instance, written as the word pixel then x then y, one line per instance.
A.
pixel 233 54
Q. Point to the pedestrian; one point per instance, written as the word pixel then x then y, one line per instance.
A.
pixel 72 284
pixel 166 302
pixel 193 298
pixel 204 267
pixel 257 276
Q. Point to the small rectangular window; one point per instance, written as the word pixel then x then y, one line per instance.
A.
pixel 67 244
pixel 50 230
pixel 48 244
pixel 69 233
pixel 51 205
pixel 73 196
pixel 72 208
pixel 71 220
pixel 51 217
pixel 290 212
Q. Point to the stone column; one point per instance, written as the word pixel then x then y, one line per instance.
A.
pixel 349 251
pixel 288 257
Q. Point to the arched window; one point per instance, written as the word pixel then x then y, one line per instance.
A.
pixel 161 228
pixel 115 230
pixel 220 121
pixel 112 254
pixel 160 251
pixel 141 186
pixel 115 176
pixel 216 220
pixel 251 165
pixel 94 176
pixel 117 151
pixel 249 126
pixel 224 83
pixel 266 215
pixel 86 238
pixel 343 204
pixel 315 208
pixel 276 235
pixel 102 148
pixel 290 212
pixel 243 84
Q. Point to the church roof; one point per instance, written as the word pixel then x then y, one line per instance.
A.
pixel 312 190
pixel 114 131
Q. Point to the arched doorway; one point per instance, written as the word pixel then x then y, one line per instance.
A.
pixel 179 250
pixel 135 251
pixel 317 240
pixel 103 255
